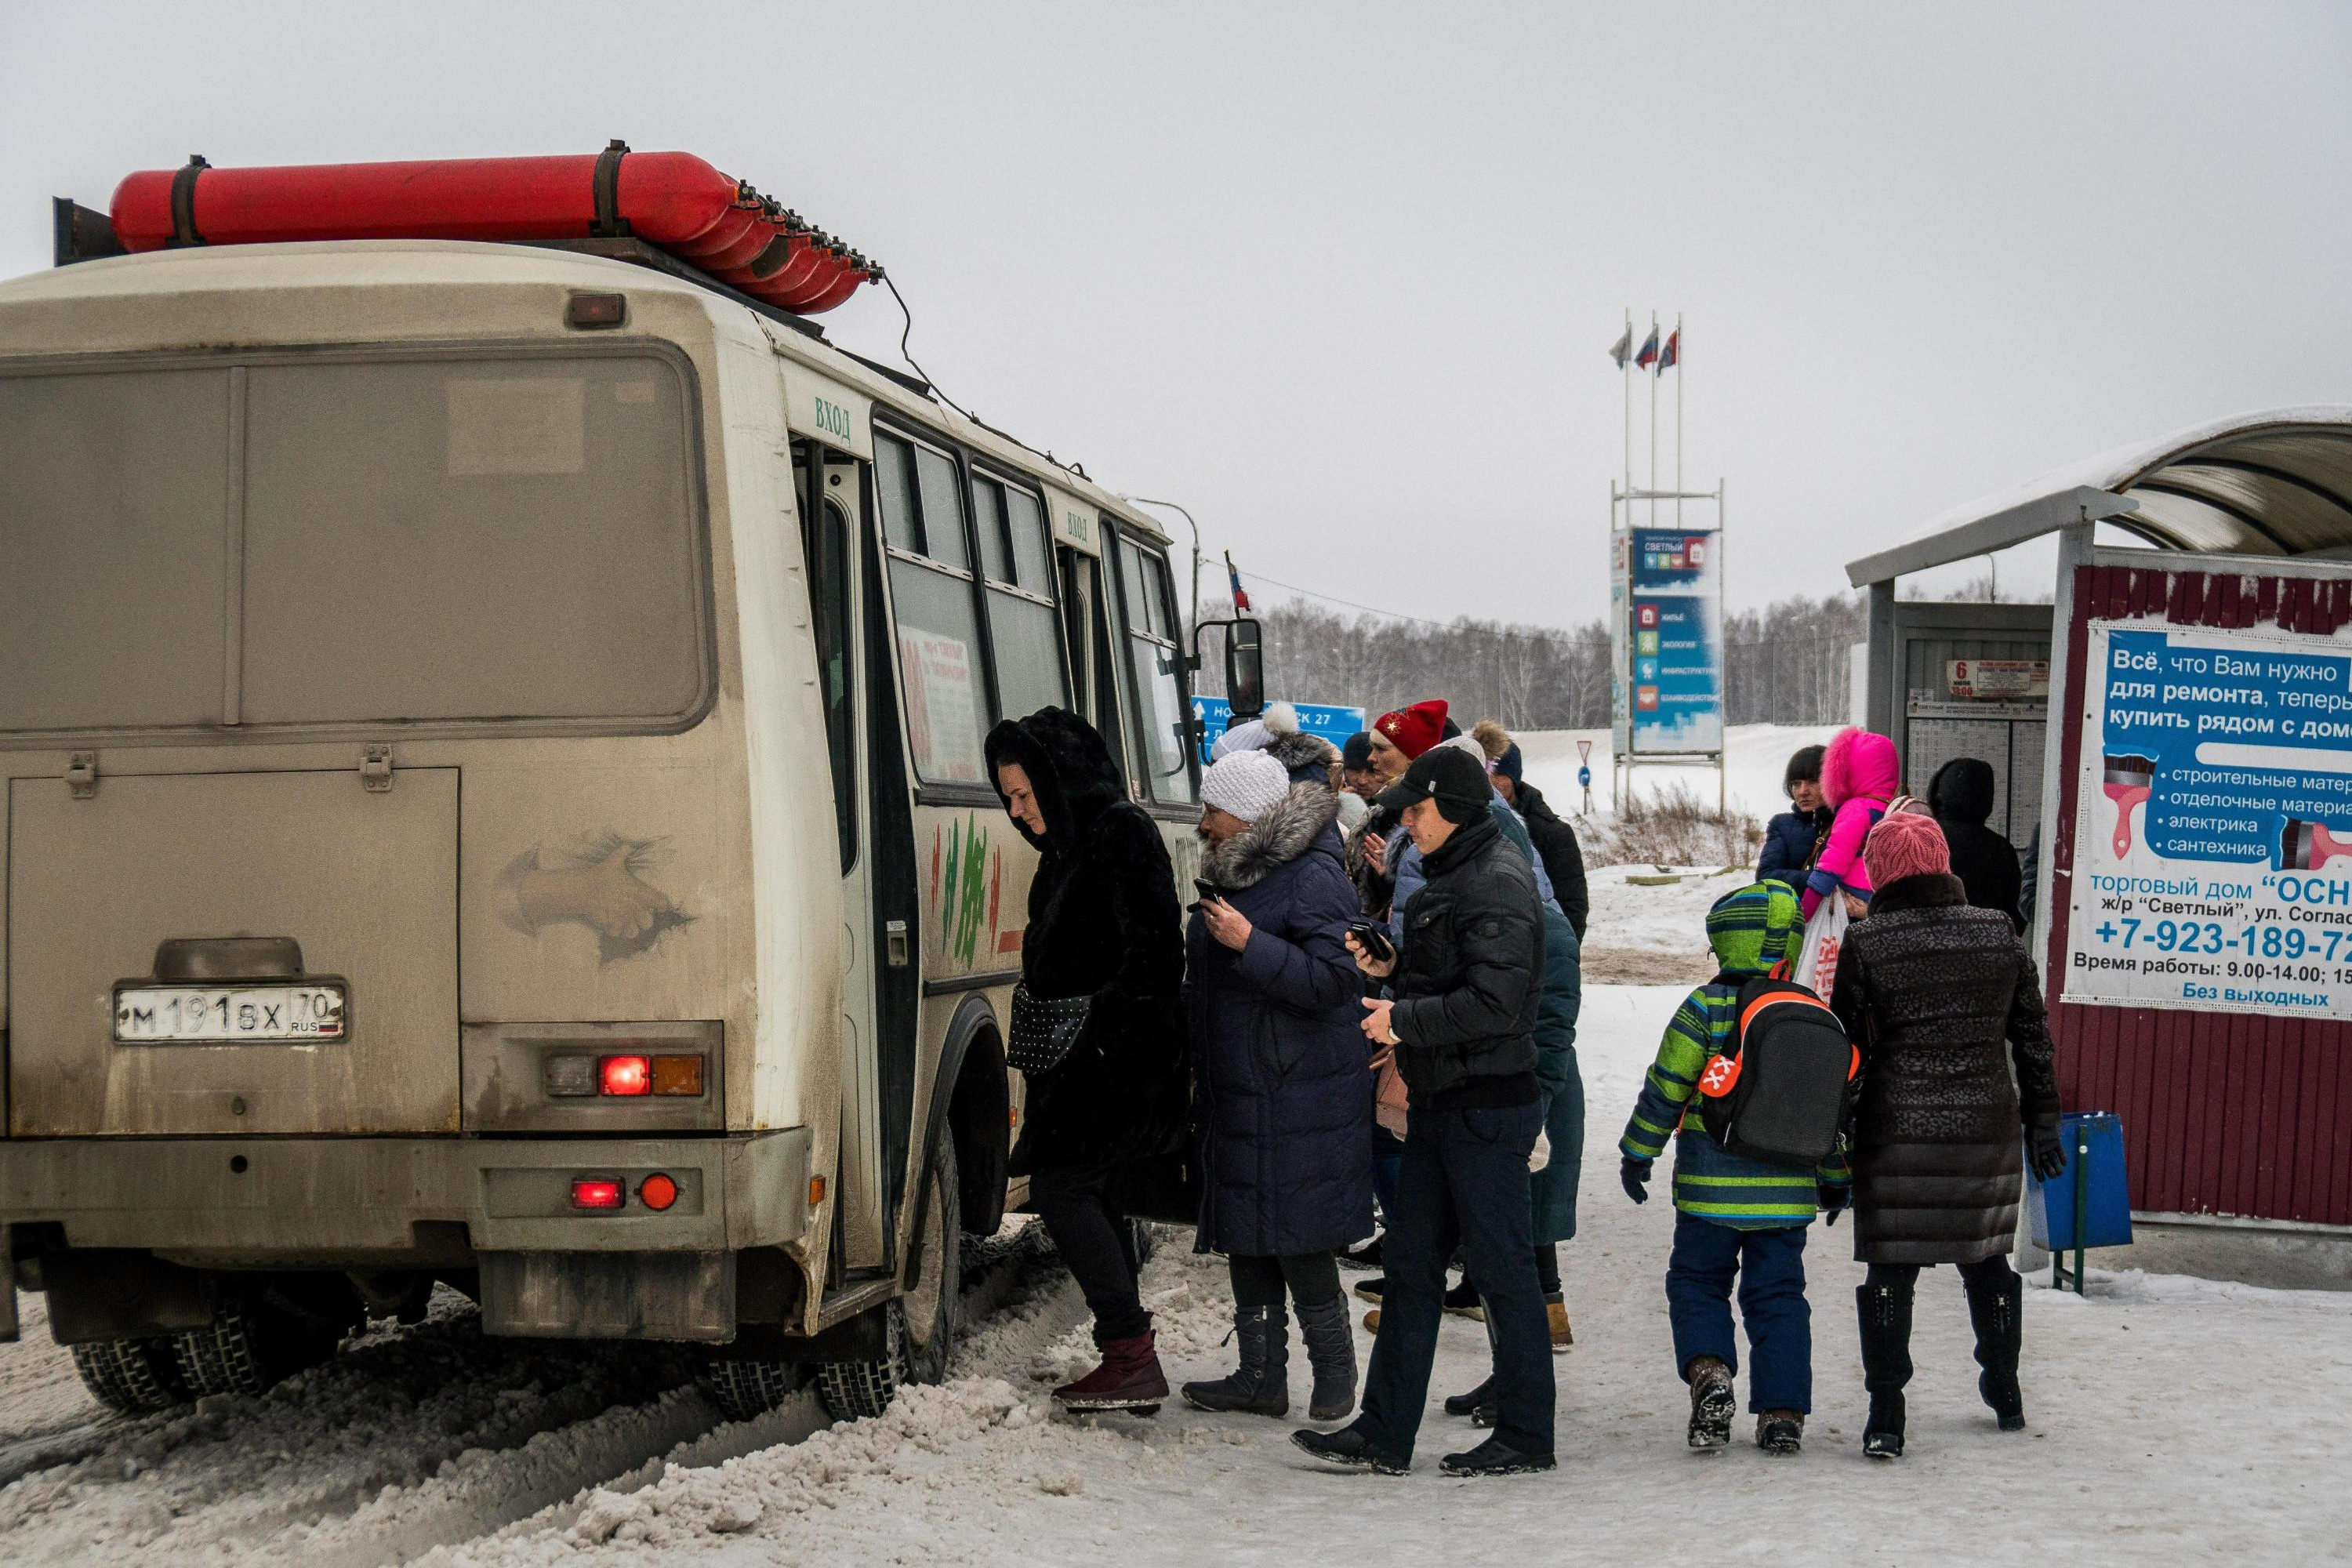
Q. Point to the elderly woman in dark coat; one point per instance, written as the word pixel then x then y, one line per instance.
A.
pixel 1105 924
pixel 1929 989
pixel 1285 1139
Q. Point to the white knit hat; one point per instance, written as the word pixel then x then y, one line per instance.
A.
pixel 1246 784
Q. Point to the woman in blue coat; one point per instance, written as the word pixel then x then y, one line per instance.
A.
pixel 1283 1091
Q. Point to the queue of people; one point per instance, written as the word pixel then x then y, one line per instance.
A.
pixel 1372 1027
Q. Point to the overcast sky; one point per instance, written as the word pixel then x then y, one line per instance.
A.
pixel 1341 278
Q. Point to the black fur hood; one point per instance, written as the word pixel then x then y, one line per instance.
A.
pixel 1299 751
pixel 1285 832
pixel 1069 766
pixel 1962 791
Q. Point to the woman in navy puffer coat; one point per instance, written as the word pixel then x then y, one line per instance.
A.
pixel 1285 1095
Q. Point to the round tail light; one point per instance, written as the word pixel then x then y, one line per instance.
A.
pixel 658 1192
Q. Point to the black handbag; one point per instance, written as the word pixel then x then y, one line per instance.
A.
pixel 1044 1029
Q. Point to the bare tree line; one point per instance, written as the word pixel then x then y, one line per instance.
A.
pixel 1786 664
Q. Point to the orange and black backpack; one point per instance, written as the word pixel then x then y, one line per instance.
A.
pixel 1783 1092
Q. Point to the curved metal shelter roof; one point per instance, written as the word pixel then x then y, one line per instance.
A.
pixel 2276 483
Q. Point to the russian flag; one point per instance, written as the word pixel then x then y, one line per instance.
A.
pixel 1649 354
pixel 1241 597
pixel 1671 352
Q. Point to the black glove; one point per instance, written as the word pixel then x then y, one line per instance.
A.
pixel 1833 1200
pixel 1635 1175
pixel 2044 1151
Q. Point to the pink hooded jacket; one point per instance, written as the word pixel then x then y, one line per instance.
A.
pixel 1859 775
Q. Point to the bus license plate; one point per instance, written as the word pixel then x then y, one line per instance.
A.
pixel 204 1014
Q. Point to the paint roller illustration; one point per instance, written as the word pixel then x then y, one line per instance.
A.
pixel 2128 780
pixel 2308 846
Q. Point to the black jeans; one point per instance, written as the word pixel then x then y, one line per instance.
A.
pixel 1465 1183
pixel 1096 1242
pixel 1311 1278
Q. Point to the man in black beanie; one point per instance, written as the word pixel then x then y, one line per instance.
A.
pixel 1460 1017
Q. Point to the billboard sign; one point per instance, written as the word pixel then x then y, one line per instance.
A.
pixel 2213 851
pixel 1670 623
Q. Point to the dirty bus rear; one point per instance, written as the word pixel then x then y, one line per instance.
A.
pixel 494 796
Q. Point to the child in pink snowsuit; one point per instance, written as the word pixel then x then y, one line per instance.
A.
pixel 1859 776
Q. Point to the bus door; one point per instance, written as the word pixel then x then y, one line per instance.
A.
pixel 832 526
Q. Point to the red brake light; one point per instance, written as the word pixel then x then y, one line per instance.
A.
pixel 658 1192
pixel 625 1075
pixel 595 1193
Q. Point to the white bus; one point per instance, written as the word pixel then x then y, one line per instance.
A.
pixel 493 754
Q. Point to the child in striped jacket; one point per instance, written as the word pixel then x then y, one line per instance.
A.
pixel 1734 1217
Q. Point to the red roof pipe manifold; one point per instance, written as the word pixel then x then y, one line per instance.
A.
pixel 673 200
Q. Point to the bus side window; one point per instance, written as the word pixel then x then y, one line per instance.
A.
pixel 825 542
pixel 1024 629
pixel 1160 737
pixel 931 595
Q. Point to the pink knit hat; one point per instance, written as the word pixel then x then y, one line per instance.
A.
pixel 1904 843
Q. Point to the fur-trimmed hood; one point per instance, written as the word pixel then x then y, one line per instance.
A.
pixel 1307 757
pixel 1285 833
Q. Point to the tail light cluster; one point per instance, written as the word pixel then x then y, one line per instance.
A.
pixel 608 1193
pixel 624 1076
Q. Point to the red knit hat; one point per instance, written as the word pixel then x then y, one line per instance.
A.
pixel 1417 728
pixel 1904 843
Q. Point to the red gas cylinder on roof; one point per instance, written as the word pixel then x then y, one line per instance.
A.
pixel 674 200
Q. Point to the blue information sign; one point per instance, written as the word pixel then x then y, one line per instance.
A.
pixel 1675 614
pixel 1330 722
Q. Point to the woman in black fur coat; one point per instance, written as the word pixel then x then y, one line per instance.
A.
pixel 1104 924
pixel 1931 990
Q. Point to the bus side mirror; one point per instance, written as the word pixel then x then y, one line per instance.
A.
pixel 1244 671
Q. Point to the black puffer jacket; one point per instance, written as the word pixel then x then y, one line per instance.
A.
pixel 1931 988
pixel 1103 922
pixel 1563 857
pixel 1960 795
pixel 1469 978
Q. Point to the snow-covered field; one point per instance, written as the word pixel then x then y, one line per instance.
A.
pixel 2172 1420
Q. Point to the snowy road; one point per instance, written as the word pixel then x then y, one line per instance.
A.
pixel 2172 1419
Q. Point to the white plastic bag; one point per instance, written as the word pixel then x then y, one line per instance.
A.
pixel 1540 1155
pixel 1825 935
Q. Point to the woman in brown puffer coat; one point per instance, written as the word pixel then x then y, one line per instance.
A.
pixel 1929 989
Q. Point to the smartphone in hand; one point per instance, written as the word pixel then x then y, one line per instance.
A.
pixel 1373 938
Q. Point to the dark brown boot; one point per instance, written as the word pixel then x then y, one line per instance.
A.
pixel 1128 1379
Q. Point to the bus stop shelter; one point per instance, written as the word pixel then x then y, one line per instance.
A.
pixel 2174 733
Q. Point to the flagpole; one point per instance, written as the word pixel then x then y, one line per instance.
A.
pixel 1678 418
pixel 1625 370
pixel 1653 426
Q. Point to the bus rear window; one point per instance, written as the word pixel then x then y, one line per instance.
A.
pixel 454 539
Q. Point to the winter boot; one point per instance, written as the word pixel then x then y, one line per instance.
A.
pixel 1369 1289
pixel 1128 1379
pixel 1463 1302
pixel 1999 1314
pixel 1350 1449
pixel 1331 1352
pixel 1886 1314
pixel 1494 1457
pixel 1365 1256
pixel 1471 1403
pixel 1261 1386
pixel 1562 1336
pixel 1713 1404
pixel 1780 1431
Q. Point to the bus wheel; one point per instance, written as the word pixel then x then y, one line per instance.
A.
pixel 920 1327
pixel 253 1342
pixel 132 1375
pixel 747 1388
